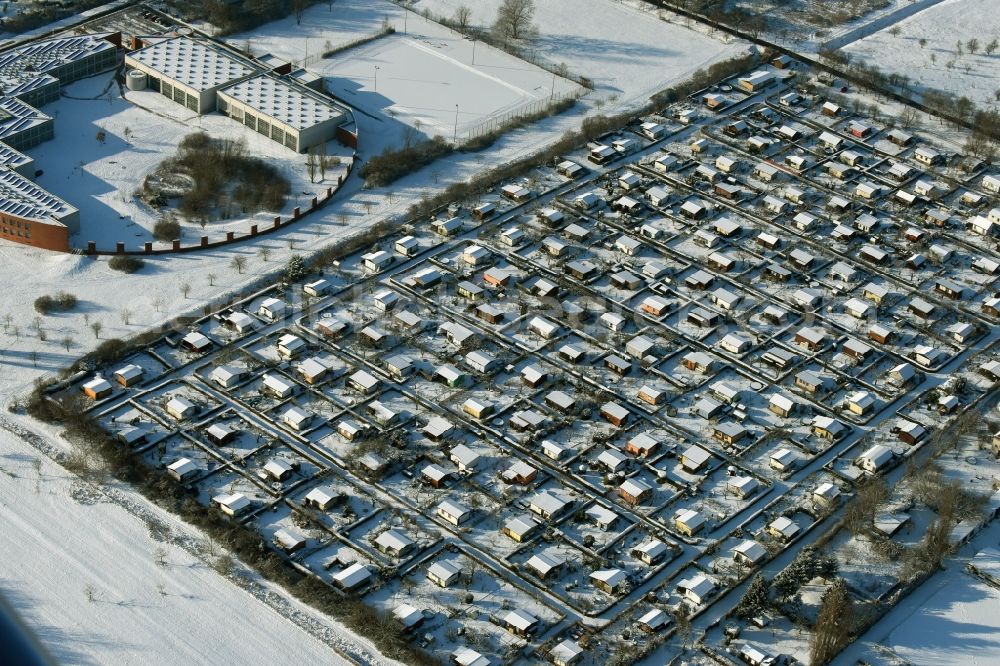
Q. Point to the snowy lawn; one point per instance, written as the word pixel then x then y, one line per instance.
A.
pixel 425 76
pixel 590 37
pixel 960 615
pixel 72 539
pixel 937 64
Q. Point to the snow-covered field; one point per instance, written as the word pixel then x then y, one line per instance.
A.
pixel 950 619
pixel 962 611
pixel 64 538
pixel 433 83
pixel 427 77
pixel 628 52
pixel 937 64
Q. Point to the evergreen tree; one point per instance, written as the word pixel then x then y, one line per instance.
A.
pixel 295 271
pixel 755 600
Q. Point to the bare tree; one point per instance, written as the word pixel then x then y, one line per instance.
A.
pixel 211 279
pixel 126 316
pixel 972 45
pixel 96 327
pixel 299 8
pixel 835 624
pixel 185 289
pixel 321 160
pixel 860 513
pixel 311 164
pixel 514 20
pixel 462 17
pixel 157 302
pixel 990 48
pixel 67 342
pixel 239 262
pixel 264 253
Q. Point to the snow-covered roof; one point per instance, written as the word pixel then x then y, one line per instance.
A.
pixel 690 518
pixel 179 405
pixel 696 455
pixel 454 509
pixel 277 384
pixel 698 586
pixel 521 620
pixel 464 456
pixel 521 525
pixel 27 67
pixel 610 577
pixel 784 526
pixel 289 104
pixel 21 198
pixel 566 651
pixel 751 550
pixel 224 373
pixel 443 570
pixel 98 385
pixel 352 576
pixel 635 487
pixel 321 495
pixel 829 424
pixel 612 459
pixel 548 503
pixel 601 515
pixel 654 619
pixel 543 563
pixel 407 615
pixel 182 467
pixel 291 342
pixel 198 64
pixel 313 367
pixel 235 502
pixel 827 491
pixel 438 427
pixel 393 540
pixel 464 656
pixel 288 539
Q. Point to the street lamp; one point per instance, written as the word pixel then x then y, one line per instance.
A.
pixel 454 138
pixel 375 86
pixel 474 51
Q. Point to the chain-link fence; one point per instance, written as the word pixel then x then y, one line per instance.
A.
pixel 499 122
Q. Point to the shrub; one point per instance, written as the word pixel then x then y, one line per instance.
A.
pixel 166 229
pixel 61 302
pixel 109 351
pixel 392 165
pixel 125 263
pixel 296 269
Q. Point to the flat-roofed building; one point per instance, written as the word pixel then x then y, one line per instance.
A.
pixel 190 71
pixel 31 216
pixel 22 125
pixel 34 72
pixel 290 114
